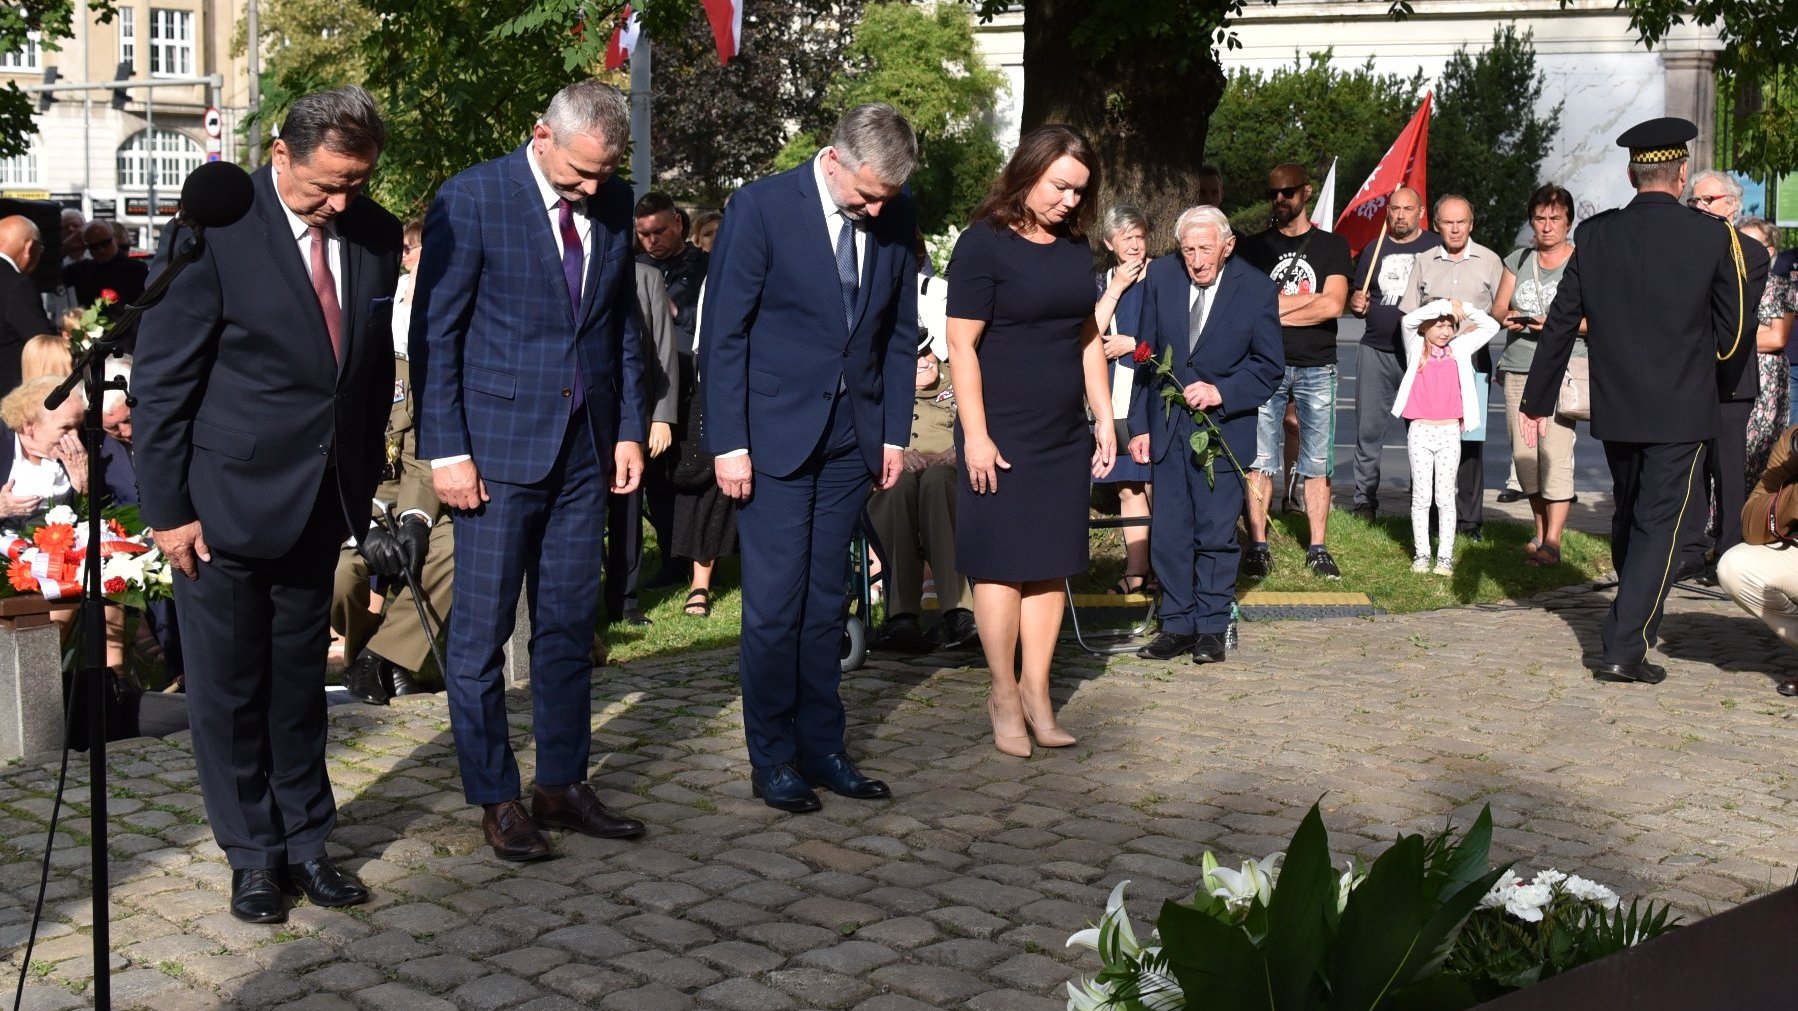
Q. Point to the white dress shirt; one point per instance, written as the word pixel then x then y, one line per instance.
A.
pixel 302 234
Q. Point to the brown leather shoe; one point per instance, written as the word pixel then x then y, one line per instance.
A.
pixel 512 833
pixel 575 807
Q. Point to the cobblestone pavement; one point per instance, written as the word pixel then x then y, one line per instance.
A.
pixel 960 892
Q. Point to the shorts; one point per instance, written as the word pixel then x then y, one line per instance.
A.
pixel 1313 390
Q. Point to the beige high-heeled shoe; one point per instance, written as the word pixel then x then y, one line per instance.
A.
pixel 1051 735
pixel 1016 745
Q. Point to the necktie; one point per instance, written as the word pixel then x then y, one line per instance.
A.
pixel 571 272
pixel 325 287
pixel 846 271
pixel 1195 320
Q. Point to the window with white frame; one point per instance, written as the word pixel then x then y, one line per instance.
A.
pixel 128 36
pixel 171 43
pixel 28 58
pixel 173 154
pixel 20 170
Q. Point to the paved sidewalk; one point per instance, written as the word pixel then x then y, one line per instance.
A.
pixel 961 891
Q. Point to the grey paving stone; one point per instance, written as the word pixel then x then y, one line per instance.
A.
pixel 744 995
pixel 489 993
pixel 849 958
pixel 935 985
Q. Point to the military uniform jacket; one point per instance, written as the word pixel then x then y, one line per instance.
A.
pixel 1658 287
pixel 407 484
pixel 933 416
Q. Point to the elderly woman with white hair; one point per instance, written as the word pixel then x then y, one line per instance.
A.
pixel 1125 232
pixel 1220 319
pixel 43 460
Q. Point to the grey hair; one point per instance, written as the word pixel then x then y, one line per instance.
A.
pixel 1767 230
pixel 1123 216
pixel 343 120
pixel 590 107
pixel 1657 175
pixel 1202 216
pixel 116 368
pixel 876 135
pixel 1729 183
pixel 1436 208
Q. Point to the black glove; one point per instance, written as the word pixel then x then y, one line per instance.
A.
pixel 383 551
pixel 414 539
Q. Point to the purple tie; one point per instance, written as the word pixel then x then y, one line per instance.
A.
pixel 571 272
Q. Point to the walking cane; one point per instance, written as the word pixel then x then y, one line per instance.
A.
pixel 385 517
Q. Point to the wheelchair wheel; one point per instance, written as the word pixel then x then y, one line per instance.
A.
pixel 855 644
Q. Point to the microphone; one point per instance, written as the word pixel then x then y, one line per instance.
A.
pixel 216 194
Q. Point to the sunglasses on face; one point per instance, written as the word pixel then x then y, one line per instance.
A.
pixel 102 244
pixel 1282 192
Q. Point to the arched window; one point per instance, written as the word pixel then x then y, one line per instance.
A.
pixel 175 155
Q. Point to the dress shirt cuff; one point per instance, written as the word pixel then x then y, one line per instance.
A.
pixel 450 461
pixel 732 453
pixel 888 445
pixel 420 513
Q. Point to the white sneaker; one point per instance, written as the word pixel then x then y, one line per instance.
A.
pixel 1420 564
pixel 1444 567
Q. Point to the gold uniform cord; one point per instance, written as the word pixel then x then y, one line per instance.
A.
pixel 1735 251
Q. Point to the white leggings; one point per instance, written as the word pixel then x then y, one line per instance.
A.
pixel 1435 452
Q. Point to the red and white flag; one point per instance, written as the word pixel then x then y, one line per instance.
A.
pixel 726 17
pixel 624 39
pixel 1404 165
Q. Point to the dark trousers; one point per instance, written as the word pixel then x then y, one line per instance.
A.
pixel 1377 376
pixel 793 535
pixel 254 632
pixel 1192 539
pixel 1724 478
pixel 1657 490
pixel 548 536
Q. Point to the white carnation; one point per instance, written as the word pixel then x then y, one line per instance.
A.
pixel 1590 891
pixel 1526 902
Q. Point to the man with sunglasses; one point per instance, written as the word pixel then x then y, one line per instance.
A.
pixel 1312 268
pixel 106 268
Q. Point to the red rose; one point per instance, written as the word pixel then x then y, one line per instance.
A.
pixel 115 585
pixel 1143 353
pixel 108 296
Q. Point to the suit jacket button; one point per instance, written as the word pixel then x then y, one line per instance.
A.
pixel 567 393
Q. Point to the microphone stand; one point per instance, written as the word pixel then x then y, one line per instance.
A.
pixel 90 370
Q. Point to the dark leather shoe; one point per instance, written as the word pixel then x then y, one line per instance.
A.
pixel 370 678
pixel 839 775
pixel 1256 563
pixel 1788 687
pixel 635 616
pixel 1641 672
pixel 325 883
pixel 958 628
pixel 1208 647
pixel 781 787
pixel 256 896
pixel 512 833
pixel 1167 646
pixel 1511 495
pixel 402 682
pixel 575 807
pixel 902 632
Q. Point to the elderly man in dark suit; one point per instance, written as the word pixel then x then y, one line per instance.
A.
pixel 1668 295
pixel 262 383
pixel 809 339
pixel 525 339
pixel 21 309
pixel 1221 319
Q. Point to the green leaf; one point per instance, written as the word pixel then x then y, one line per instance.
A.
pixel 1469 860
pixel 1297 933
pixel 1379 928
pixel 1200 442
pixel 1215 959
pixel 1442 992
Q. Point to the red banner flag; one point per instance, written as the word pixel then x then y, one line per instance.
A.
pixel 1404 165
pixel 726 17
pixel 624 39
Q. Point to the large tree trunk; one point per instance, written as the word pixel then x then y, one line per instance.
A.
pixel 1144 113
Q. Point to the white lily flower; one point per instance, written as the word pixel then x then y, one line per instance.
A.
pixel 62 514
pixel 1114 914
pixel 1590 891
pixel 1239 889
pixel 1346 884
pixel 1087 996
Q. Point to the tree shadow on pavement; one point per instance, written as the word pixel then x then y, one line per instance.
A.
pixel 1737 642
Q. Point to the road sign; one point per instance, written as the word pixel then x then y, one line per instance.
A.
pixel 215 124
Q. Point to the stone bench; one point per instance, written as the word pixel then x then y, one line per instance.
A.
pixel 30 675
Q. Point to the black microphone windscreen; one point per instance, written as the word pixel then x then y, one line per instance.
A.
pixel 216 194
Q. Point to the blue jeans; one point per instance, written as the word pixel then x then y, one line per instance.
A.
pixel 1313 389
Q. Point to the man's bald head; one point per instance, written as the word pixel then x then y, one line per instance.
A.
pixel 20 241
pixel 1403 211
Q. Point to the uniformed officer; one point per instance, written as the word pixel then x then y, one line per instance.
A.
pixel 915 520
pixel 1668 294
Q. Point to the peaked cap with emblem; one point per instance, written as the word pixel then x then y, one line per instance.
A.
pixel 1658 140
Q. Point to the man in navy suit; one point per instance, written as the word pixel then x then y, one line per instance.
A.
pixel 532 407
pixel 1221 317
pixel 808 343
pixel 262 382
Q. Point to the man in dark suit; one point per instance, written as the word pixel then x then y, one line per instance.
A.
pixel 1221 318
pixel 21 309
pixel 1668 294
pixel 809 343
pixel 262 383
pixel 107 268
pixel 532 405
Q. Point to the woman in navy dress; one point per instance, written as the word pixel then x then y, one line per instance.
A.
pixel 1125 233
pixel 1025 350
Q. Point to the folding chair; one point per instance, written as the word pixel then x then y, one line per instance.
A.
pixel 1108 642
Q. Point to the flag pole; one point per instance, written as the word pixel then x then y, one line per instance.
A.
pixel 641 167
pixel 1373 262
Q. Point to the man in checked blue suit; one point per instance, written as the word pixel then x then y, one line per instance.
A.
pixel 1221 317
pixel 808 351
pixel 533 407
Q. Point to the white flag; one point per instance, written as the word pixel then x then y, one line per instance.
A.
pixel 1324 216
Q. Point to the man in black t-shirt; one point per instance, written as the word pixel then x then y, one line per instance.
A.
pixel 1379 363
pixel 1312 268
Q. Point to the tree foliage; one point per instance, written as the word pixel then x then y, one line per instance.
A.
pixel 1307 113
pixel 925 64
pixel 1487 140
pixel 50 22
